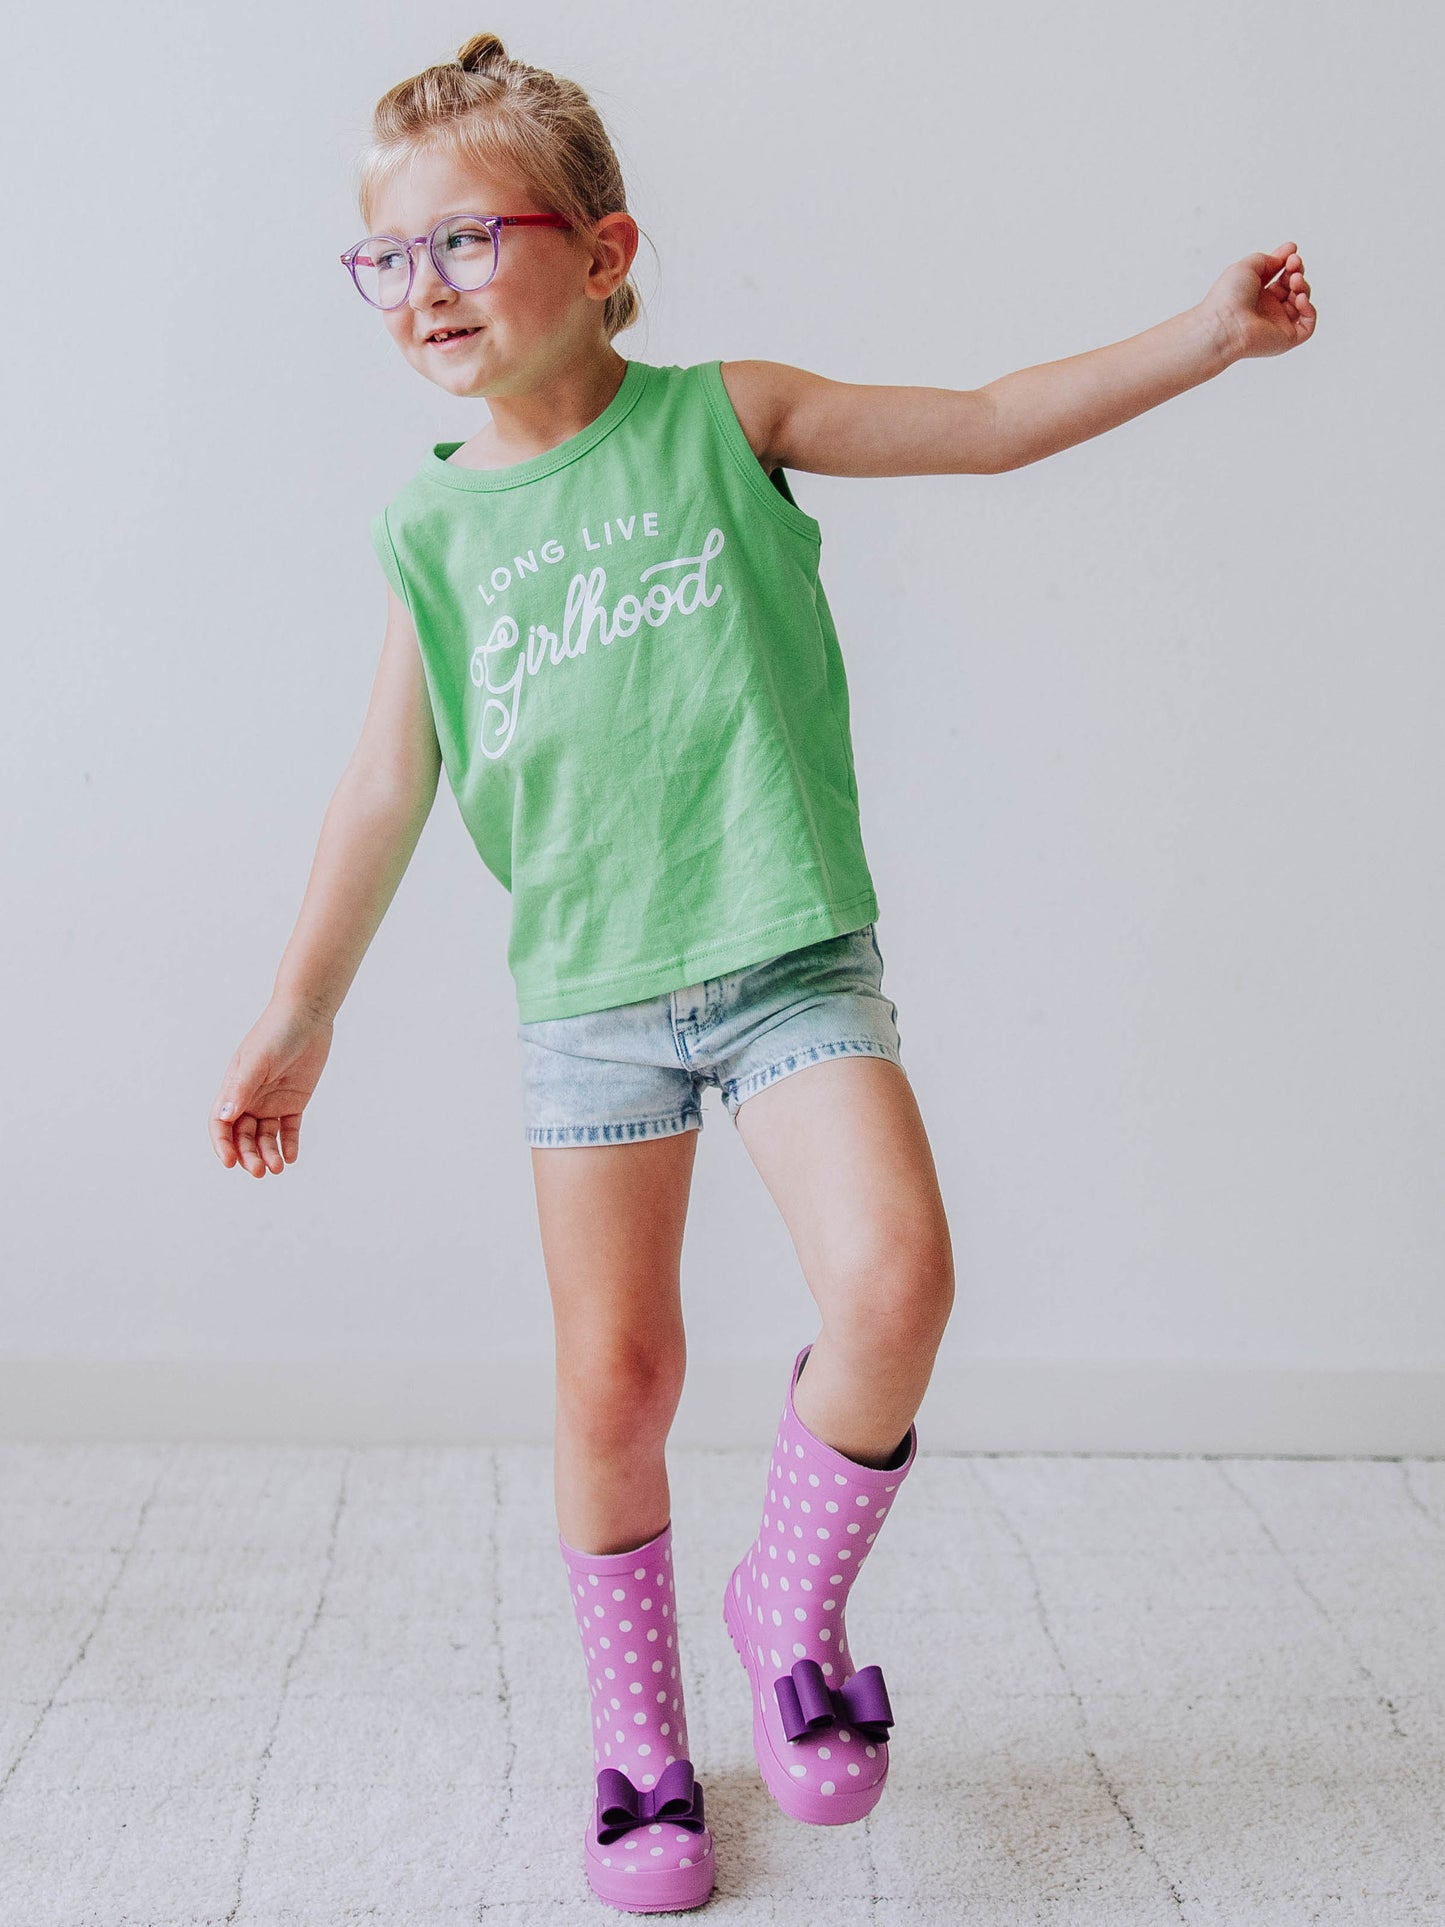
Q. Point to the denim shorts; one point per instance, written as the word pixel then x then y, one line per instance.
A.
pixel 639 1070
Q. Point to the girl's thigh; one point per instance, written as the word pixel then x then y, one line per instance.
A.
pixel 612 1218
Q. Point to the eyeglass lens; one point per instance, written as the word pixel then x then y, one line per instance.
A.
pixel 465 252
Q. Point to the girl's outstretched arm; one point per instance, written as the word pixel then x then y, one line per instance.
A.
pixel 1258 306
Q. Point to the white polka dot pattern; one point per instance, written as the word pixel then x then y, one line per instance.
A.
pixel 626 1613
pixel 786 1597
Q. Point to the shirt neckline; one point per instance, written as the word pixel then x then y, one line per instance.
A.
pixel 436 467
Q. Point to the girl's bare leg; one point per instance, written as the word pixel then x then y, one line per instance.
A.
pixel 612 1218
pixel 842 1148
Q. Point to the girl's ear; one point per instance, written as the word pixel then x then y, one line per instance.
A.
pixel 613 243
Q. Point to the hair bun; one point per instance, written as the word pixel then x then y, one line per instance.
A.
pixel 481 48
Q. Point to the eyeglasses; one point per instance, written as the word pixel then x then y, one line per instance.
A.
pixel 465 250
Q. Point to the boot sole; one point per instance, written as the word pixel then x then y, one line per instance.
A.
pixel 798 1802
pixel 664 1890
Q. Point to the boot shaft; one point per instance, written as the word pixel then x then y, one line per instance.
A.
pixel 625 1607
pixel 822 1512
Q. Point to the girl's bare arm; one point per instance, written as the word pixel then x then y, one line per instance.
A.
pixel 371 827
pixel 1260 305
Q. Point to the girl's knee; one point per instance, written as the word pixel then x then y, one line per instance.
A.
pixel 613 1393
pixel 903 1305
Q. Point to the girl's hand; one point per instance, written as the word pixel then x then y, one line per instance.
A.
pixel 1261 305
pixel 274 1071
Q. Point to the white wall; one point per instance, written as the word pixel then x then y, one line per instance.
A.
pixel 1147 734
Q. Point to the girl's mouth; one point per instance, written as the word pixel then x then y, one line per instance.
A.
pixel 451 338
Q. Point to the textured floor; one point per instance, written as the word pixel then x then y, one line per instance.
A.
pixel 318 1686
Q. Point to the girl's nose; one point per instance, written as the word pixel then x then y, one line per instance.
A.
pixel 426 282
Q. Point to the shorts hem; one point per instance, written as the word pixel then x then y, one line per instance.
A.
pixel 628 1132
pixel 736 1093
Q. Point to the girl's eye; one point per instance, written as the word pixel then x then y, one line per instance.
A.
pixel 462 239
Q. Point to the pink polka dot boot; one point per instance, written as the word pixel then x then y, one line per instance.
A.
pixel 820 1726
pixel 648 1850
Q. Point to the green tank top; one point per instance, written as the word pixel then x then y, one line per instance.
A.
pixel 639 696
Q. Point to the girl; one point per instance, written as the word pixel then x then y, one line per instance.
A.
pixel 605 620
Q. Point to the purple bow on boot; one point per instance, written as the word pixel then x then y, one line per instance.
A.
pixel 621 1806
pixel 807 1703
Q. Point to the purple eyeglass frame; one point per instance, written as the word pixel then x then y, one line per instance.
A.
pixel 493 223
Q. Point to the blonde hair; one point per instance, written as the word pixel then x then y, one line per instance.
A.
pixel 498 114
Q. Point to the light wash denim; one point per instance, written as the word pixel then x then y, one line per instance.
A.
pixel 639 1070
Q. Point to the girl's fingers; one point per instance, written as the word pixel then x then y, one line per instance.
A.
pixel 220 1134
pixel 246 1143
pixel 260 1144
